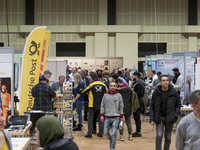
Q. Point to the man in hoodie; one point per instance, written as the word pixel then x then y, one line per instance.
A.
pixel 112 109
pixel 165 107
pixel 139 88
pixel 126 93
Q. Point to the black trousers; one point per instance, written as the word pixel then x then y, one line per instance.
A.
pixel 85 107
pixel 92 111
pixel 136 116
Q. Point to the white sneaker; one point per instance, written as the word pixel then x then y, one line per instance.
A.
pixel 121 138
pixel 130 137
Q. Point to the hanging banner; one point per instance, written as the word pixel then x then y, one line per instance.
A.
pixel 31 67
pixel 44 54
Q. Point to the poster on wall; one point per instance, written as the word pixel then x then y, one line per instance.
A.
pixel 6 82
pixel 166 65
pixel 5 70
pixel 105 62
pixel 145 68
pixel 5 96
pixel 197 73
pixel 189 77
pixel 181 64
pixel 154 65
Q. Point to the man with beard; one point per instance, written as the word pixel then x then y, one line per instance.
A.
pixel 126 93
pixel 165 107
pixel 139 88
pixel 178 80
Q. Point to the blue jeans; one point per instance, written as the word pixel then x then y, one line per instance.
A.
pixel 159 134
pixel 111 123
pixel 79 107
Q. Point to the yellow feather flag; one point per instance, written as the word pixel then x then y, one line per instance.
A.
pixel 45 48
pixel 31 67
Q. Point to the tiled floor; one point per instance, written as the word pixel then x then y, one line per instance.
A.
pixel 146 142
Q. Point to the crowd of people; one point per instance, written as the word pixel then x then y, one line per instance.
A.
pixel 111 99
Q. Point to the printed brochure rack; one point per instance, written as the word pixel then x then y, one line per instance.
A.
pixel 68 110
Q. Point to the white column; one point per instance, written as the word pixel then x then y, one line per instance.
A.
pixel 89 52
pixel 101 45
pixel 192 42
pixel 103 10
pixel 127 47
pixel 111 46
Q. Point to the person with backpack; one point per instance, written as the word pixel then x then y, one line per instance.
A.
pixel 126 93
pixel 139 88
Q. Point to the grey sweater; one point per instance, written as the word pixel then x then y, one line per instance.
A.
pixel 187 133
pixel 112 105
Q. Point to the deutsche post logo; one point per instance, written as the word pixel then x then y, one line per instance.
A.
pixel 33 49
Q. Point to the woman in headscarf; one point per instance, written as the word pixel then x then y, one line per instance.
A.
pixel 50 135
pixel 5 138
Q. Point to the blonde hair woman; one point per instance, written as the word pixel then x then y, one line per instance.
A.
pixel 78 104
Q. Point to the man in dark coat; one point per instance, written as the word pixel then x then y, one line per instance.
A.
pixel 165 107
pixel 126 93
pixel 139 88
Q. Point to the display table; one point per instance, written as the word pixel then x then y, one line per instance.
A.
pixel 187 109
pixel 20 143
pixel 20 132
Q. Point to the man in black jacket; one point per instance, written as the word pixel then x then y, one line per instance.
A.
pixel 138 86
pixel 165 107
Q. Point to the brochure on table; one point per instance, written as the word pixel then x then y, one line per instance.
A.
pixel 6 77
pixel 20 143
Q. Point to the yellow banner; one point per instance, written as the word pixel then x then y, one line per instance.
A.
pixel 31 67
pixel 44 53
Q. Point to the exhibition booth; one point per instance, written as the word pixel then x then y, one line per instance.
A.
pixel 188 64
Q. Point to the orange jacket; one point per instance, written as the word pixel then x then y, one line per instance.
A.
pixel 6 99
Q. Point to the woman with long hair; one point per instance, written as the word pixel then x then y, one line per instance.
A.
pixel 78 104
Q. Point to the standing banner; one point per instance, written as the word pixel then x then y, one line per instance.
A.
pixel 44 54
pixel 31 67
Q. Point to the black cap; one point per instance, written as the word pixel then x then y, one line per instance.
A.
pixel 42 78
pixel 175 69
pixel 137 74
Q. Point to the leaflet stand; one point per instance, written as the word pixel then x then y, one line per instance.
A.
pixel 68 110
